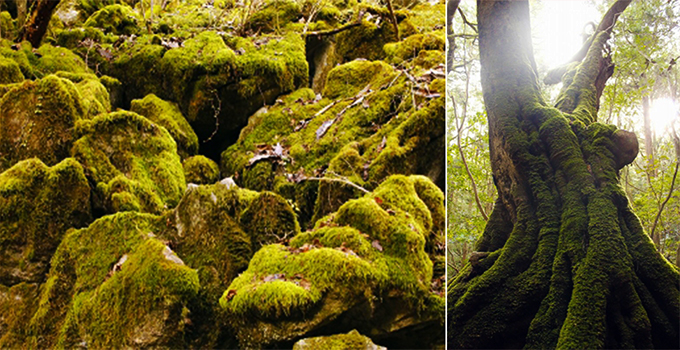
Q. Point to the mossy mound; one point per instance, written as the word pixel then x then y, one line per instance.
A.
pixel 364 129
pixel 10 71
pixel 132 161
pixel 114 284
pixel 93 93
pixel 275 15
pixel 17 304
pixel 37 205
pixel 368 259
pixel 117 19
pixel 168 115
pixel 201 170
pixel 412 46
pixel 37 119
pixel 351 340
pixel 269 219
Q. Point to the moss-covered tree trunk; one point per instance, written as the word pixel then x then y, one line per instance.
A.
pixel 37 23
pixel 563 261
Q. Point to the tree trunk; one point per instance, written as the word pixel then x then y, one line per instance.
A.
pixel 37 23
pixel 563 261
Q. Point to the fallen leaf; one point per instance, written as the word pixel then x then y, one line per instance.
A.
pixel 377 245
pixel 231 294
pixel 324 128
pixel 378 200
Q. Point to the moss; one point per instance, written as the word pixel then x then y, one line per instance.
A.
pixel 6 25
pixel 411 46
pixel 72 38
pixel 351 340
pixel 361 253
pixel 38 118
pixel 114 283
pixel 274 15
pixel 10 71
pixel 269 219
pixel 207 234
pixel 54 59
pixel 168 115
pixel 116 19
pixel 125 152
pixel 94 95
pixel 141 305
pixel 201 170
pixel 138 67
pixel 17 304
pixel 38 204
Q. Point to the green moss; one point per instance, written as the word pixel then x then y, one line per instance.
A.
pixel 17 304
pixel 94 95
pixel 411 46
pixel 269 219
pixel 201 170
pixel 38 118
pixel 138 67
pixel 371 246
pixel 125 152
pixel 168 115
pixel 116 19
pixel 87 298
pixel 6 25
pixel 351 340
pixel 10 71
pixel 54 59
pixel 141 305
pixel 274 15
pixel 37 205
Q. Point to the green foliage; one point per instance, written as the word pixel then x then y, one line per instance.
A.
pixel 115 19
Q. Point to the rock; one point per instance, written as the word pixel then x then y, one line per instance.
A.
pixel 10 71
pixel 93 297
pixel 37 205
pixel 132 161
pixel 351 340
pixel 168 115
pixel 17 304
pixel 117 19
pixel 37 119
pixel 334 275
pixel 201 170
pixel 269 219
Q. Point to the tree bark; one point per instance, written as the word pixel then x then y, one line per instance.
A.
pixel 563 261
pixel 37 23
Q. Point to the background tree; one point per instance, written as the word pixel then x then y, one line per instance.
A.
pixel 36 25
pixel 563 261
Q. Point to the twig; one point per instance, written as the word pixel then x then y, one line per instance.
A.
pixel 340 179
pixel 341 29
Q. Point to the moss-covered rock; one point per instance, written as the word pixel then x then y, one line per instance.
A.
pixel 94 95
pixel 274 15
pixel 117 19
pixel 367 259
pixel 6 25
pixel 132 161
pixel 37 119
pixel 17 304
pixel 168 115
pixel 351 340
pixel 201 170
pixel 269 219
pixel 10 71
pixel 364 129
pixel 37 205
pixel 413 45
pixel 115 284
